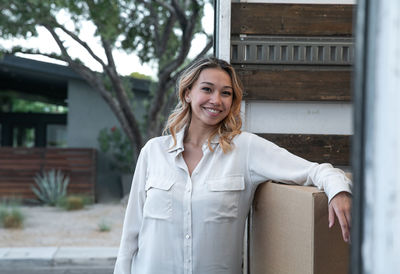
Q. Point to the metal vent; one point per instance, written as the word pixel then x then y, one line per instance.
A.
pixel 292 50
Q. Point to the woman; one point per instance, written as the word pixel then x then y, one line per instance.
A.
pixel 193 189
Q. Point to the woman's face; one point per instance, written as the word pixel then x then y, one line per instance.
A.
pixel 210 97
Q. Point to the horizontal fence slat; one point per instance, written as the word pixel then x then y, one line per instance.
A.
pixel 292 19
pixel 334 149
pixel 292 85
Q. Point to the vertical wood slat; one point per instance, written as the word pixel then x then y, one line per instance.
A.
pixel 18 167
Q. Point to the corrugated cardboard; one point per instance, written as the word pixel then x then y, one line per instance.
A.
pixel 289 233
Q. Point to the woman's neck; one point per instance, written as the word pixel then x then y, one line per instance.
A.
pixel 197 135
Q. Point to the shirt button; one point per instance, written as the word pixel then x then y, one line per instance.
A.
pixel 187 236
pixel 188 190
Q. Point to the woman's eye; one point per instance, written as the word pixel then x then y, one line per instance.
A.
pixel 227 93
pixel 206 89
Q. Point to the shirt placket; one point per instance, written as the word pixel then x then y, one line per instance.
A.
pixel 187 226
pixel 187 218
pixel 187 209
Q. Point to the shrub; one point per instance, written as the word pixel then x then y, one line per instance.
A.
pixel 116 144
pixel 104 226
pixel 51 187
pixel 75 202
pixel 11 216
pixel 72 203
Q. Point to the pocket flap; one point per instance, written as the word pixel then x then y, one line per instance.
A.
pixel 159 183
pixel 234 183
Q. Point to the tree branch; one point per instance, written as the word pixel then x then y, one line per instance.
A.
pixel 154 19
pixel 118 107
pixel 164 74
pixel 187 35
pixel 180 14
pixel 108 52
pixel 166 33
pixel 121 95
pixel 206 48
pixel 36 52
pixel 83 44
pixel 165 5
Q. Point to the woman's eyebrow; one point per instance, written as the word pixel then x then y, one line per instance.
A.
pixel 211 84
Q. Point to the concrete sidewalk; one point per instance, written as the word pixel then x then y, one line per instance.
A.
pixel 57 260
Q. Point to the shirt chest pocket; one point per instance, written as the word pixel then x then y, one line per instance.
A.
pixel 158 204
pixel 223 198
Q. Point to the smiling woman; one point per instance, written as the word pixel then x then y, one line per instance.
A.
pixel 192 189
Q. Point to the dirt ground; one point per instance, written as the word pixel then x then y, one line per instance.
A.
pixel 50 226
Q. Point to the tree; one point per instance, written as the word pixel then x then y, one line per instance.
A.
pixel 157 30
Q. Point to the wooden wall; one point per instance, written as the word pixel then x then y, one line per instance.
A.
pixel 296 80
pixel 18 167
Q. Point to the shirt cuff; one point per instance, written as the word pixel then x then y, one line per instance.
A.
pixel 337 184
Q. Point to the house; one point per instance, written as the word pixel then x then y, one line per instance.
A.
pixel 78 129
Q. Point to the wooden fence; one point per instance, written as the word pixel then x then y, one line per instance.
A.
pixel 18 167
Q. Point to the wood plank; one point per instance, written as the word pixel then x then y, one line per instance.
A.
pixel 292 19
pixel 292 84
pixel 334 149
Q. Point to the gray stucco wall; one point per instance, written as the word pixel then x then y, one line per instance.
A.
pixel 88 113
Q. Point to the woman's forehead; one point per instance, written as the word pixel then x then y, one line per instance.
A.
pixel 214 75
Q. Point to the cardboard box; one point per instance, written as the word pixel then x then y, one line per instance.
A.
pixel 289 233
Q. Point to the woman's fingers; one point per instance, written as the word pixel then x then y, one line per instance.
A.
pixel 344 225
pixel 341 206
pixel 331 215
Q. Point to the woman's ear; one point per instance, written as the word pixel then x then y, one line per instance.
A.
pixel 187 96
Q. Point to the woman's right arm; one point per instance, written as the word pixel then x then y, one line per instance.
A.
pixel 133 218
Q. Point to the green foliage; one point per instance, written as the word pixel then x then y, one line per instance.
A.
pixel 115 143
pixel 11 215
pixel 104 226
pixel 21 105
pixel 14 102
pixel 139 75
pixel 51 187
pixel 127 24
pixel 74 202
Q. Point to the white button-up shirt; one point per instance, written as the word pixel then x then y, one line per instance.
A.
pixel 181 224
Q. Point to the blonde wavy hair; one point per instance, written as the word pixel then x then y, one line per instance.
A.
pixel 181 115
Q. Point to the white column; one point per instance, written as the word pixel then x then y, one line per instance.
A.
pixel 381 243
pixel 223 29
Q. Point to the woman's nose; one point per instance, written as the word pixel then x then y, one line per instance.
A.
pixel 216 98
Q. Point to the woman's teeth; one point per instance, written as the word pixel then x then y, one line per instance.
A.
pixel 212 110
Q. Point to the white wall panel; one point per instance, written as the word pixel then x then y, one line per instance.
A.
pixel 299 117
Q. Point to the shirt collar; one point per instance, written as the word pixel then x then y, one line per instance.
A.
pixel 179 141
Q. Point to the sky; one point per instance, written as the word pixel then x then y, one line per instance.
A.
pixel 126 63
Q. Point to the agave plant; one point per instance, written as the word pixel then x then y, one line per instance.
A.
pixel 51 186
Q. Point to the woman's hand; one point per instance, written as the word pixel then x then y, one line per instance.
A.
pixel 340 206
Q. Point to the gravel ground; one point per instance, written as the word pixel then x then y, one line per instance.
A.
pixel 49 226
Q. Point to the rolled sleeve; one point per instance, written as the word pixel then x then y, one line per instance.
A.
pixel 267 161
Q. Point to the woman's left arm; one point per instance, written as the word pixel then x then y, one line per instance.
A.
pixel 268 161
